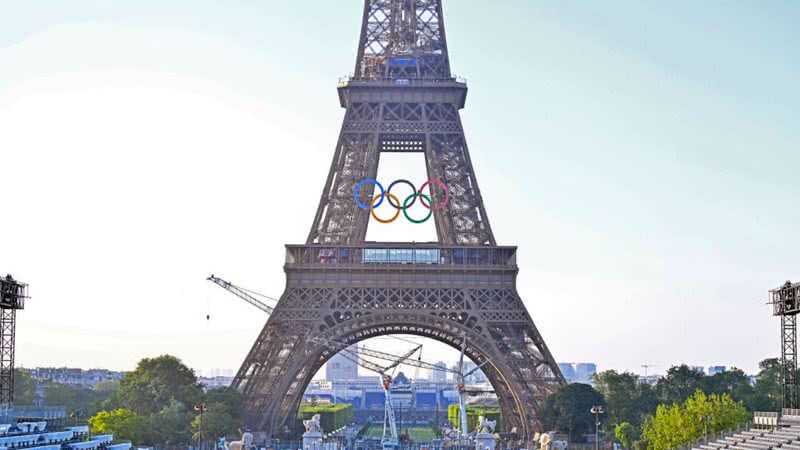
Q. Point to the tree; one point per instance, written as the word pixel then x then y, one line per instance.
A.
pixel 628 400
pixel 679 384
pixel 568 410
pixel 733 382
pixel 157 383
pixel 223 416
pixel 768 392
pixel 122 423
pixel 625 434
pixel 173 425
pixel 164 392
pixel 701 414
pixel 24 388
pixel 217 423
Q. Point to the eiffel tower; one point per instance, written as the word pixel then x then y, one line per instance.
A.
pixel 341 288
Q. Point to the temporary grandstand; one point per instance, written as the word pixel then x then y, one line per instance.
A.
pixel 769 431
pixel 37 436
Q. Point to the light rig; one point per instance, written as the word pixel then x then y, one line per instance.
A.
pixel 785 302
pixel 12 297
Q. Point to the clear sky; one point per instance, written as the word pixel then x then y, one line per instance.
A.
pixel 643 155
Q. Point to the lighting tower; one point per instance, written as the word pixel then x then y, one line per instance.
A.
pixel 12 297
pixel 785 302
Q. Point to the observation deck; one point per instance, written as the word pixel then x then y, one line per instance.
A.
pixel 419 90
pixel 400 264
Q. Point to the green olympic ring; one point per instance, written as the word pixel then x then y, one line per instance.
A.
pixel 414 198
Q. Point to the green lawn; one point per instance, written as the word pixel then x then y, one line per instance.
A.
pixel 418 434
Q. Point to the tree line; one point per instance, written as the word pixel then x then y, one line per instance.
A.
pixel 680 407
pixel 152 405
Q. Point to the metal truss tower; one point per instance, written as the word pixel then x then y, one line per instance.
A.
pixel 402 98
pixel 785 302
pixel 12 298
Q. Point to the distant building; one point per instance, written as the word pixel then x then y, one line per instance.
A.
pixel 74 377
pixel 476 377
pixel 340 368
pixel 440 374
pixel 216 382
pixel 700 369
pixel 585 372
pixel 568 370
pixel 649 379
pixel 713 370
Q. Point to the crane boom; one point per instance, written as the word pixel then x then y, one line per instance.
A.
pixel 242 293
pixel 388 419
pixel 390 357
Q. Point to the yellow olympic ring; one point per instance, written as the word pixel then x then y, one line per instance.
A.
pixel 372 208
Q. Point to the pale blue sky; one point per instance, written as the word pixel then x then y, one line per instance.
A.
pixel 643 155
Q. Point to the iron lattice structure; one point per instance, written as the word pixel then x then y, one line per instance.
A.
pixel 786 304
pixel 12 298
pixel 402 98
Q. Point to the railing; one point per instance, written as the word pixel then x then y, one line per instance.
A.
pixel 716 436
pixel 401 254
pixel 401 81
pixel 765 419
pixel 791 412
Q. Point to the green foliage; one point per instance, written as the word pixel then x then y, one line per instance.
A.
pixel 158 399
pixel 680 424
pixel 628 400
pixel 679 384
pixel 172 424
pixel 122 423
pixel 625 433
pixel 568 410
pixel 768 389
pixel 417 434
pixel 473 413
pixel 157 383
pixel 332 417
pixel 24 388
pixel 223 415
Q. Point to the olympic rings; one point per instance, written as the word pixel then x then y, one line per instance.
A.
pixel 358 188
pixel 372 210
pixel 413 189
pixel 406 205
pixel 425 199
pixel 446 193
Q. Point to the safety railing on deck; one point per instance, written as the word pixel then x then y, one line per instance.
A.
pixel 401 254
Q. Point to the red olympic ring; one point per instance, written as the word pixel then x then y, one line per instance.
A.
pixel 431 182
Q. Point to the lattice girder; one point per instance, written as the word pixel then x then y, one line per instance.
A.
pixel 403 99
pixel 494 320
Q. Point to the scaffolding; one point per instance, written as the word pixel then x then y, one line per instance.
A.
pixel 12 297
pixel 785 304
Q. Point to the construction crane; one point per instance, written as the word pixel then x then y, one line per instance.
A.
pixel 392 441
pixel 245 294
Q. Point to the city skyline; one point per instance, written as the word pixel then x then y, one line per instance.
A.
pixel 651 185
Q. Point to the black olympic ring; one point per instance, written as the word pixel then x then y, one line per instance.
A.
pixel 413 189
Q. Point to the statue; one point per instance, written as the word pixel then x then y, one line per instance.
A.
pixel 546 442
pixel 245 444
pixel 485 426
pixel 313 425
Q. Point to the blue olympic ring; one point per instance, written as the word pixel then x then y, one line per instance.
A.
pixel 358 188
